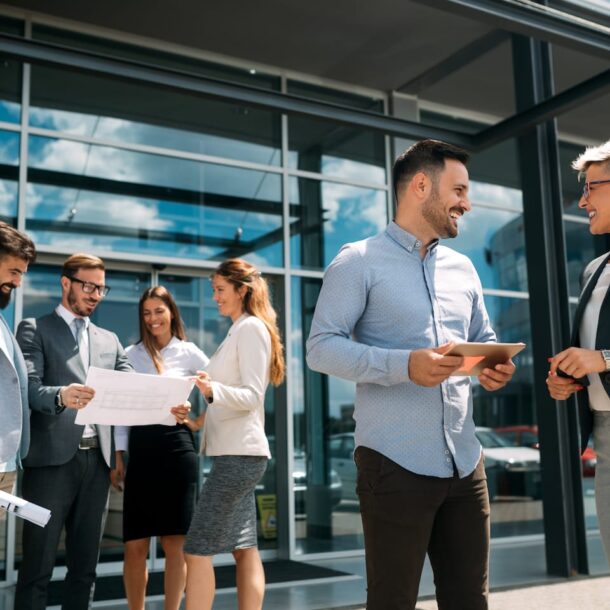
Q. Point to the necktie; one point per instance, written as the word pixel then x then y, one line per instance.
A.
pixel 79 328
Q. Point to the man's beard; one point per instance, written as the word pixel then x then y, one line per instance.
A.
pixel 437 217
pixel 5 297
pixel 76 308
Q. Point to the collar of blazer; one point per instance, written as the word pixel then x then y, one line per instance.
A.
pixel 584 299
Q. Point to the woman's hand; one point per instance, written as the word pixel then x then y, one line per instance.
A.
pixel 578 362
pixel 117 474
pixel 204 383
pixel 181 413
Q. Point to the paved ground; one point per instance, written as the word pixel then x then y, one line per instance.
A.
pixel 576 594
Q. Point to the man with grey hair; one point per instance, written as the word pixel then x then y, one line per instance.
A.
pixel 586 363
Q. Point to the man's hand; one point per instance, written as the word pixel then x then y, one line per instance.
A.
pixel 76 395
pixel 117 475
pixel 498 377
pixel 578 362
pixel 429 367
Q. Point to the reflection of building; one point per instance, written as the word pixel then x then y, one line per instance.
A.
pixel 168 143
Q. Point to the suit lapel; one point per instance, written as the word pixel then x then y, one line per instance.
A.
pixel 584 299
pixel 67 345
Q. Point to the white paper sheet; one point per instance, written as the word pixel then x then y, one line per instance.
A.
pixel 24 509
pixel 132 399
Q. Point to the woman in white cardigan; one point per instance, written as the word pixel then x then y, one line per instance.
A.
pixel 234 386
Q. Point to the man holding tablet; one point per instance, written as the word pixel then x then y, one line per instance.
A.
pixel 390 308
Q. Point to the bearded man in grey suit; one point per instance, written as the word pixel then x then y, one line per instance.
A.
pixel 68 466
pixel 16 252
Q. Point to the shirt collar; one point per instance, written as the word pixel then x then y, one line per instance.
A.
pixel 172 343
pixel 68 317
pixel 406 240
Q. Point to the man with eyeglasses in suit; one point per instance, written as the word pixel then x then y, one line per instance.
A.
pixel 68 466
pixel 586 363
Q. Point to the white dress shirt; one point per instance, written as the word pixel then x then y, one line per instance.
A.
pixel 180 359
pixel 68 317
pixel 239 369
pixel 598 397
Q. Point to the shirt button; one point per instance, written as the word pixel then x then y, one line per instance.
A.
pixel 448 459
pixel 446 450
pixel 418 244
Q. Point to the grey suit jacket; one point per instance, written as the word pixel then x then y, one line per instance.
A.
pixel 53 360
pixel 602 340
pixel 14 413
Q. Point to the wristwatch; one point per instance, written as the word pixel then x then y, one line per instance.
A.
pixel 59 405
pixel 606 357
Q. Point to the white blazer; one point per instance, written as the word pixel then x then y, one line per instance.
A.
pixel 239 369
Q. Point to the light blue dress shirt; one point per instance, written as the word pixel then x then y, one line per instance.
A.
pixel 379 301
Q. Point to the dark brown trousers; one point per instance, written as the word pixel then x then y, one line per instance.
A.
pixel 405 516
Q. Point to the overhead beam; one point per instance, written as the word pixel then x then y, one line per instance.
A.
pixel 550 108
pixel 531 19
pixel 44 53
pixel 454 62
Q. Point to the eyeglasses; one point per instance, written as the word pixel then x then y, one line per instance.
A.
pixel 90 287
pixel 586 191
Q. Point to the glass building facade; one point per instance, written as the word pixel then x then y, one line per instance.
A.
pixel 164 185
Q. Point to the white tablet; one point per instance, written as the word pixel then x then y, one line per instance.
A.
pixel 479 356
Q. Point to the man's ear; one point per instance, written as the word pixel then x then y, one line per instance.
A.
pixel 420 184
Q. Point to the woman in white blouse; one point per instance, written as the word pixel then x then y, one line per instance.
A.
pixel 234 386
pixel 160 457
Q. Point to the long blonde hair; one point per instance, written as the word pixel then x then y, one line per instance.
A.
pixel 177 327
pixel 256 302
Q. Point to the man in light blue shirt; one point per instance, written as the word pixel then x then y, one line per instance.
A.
pixel 16 252
pixel 389 309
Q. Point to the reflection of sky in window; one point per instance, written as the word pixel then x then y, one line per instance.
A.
pixel 602 6
pixel 9 148
pixel 8 198
pixel 344 168
pixel 10 112
pixel 106 210
pixel 350 214
pixel 143 168
pixel 488 237
pixel 121 130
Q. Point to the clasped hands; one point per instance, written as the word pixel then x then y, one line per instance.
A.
pixel 576 362
pixel 429 367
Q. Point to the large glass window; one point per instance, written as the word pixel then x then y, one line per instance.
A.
pixel 107 109
pixel 9 176
pixel 10 77
pixel 326 506
pixel 325 215
pixel 327 148
pixel 103 197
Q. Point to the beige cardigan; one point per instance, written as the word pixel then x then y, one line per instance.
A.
pixel 239 369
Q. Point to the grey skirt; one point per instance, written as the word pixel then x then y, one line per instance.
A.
pixel 225 516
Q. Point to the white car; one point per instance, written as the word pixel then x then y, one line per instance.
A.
pixel 511 471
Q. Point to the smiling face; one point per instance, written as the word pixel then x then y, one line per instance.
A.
pixel 597 204
pixel 228 298
pixel 448 200
pixel 157 319
pixel 12 269
pixel 75 299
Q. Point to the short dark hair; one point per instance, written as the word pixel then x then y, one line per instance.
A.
pixel 15 243
pixel 424 156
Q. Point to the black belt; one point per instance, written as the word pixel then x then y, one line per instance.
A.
pixel 91 442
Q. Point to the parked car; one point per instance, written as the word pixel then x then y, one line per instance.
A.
pixel 341 450
pixel 511 471
pixel 527 436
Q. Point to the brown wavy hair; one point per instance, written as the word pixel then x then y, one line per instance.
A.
pixel 177 326
pixel 256 302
